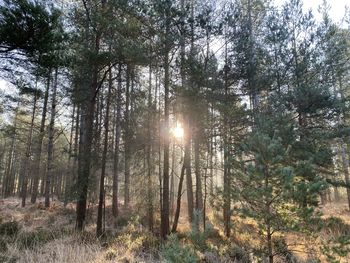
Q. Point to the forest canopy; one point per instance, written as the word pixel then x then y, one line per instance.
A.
pixel 209 130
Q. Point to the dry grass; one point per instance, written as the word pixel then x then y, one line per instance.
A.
pixel 131 243
pixel 60 250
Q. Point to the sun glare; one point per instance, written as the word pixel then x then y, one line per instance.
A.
pixel 178 132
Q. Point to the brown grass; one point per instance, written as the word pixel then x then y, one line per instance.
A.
pixel 130 243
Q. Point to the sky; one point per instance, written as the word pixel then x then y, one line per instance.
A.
pixel 336 12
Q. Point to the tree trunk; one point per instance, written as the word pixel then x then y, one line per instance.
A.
pixel 127 140
pixel 116 147
pixel 101 201
pixel 6 186
pixel 178 200
pixel 165 206
pixel 149 153
pixel 86 134
pixel 51 142
pixel 39 144
pixel 199 195
pixel 70 172
pixel 345 164
pixel 26 160
pixel 227 188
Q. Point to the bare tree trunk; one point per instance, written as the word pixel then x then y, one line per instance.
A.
pixel 86 135
pixel 345 170
pixel 7 183
pixel 127 140
pixel 39 144
pixel 165 206
pixel 199 195
pixel 26 160
pixel 159 150
pixel 50 143
pixel 178 200
pixel 149 153
pixel 172 181
pixel 99 230
pixel 116 147
pixel 227 199
pixel 70 172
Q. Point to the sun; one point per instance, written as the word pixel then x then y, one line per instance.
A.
pixel 178 132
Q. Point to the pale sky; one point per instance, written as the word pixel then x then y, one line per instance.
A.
pixel 336 12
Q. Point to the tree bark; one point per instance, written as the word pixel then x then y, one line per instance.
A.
pixel 51 142
pixel 345 164
pixel 165 206
pixel 39 144
pixel 199 195
pixel 178 200
pixel 28 151
pixel 149 153
pixel 116 147
pixel 101 201
pixel 7 177
pixel 127 140
pixel 70 172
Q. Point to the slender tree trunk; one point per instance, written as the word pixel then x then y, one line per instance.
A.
pixel 227 181
pixel 160 179
pixel 149 153
pixel 70 172
pixel 116 147
pixel 7 184
pixel 76 145
pixel 39 144
pixel 28 151
pixel 3 161
pixel 127 140
pixel 187 125
pixel 51 133
pixel 99 231
pixel 178 200
pixel 205 192
pixel 199 195
pixel 268 216
pixel 165 207
pixel 345 164
pixel 86 135
pixel 172 181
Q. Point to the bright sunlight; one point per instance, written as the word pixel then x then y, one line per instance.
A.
pixel 178 131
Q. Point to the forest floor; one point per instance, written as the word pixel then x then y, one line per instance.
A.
pixel 47 236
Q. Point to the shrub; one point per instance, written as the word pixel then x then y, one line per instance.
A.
pixel 235 253
pixel 336 226
pixel 198 239
pixel 111 254
pixel 174 252
pixel 135 241
pixel 9 228
pixel 281 249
